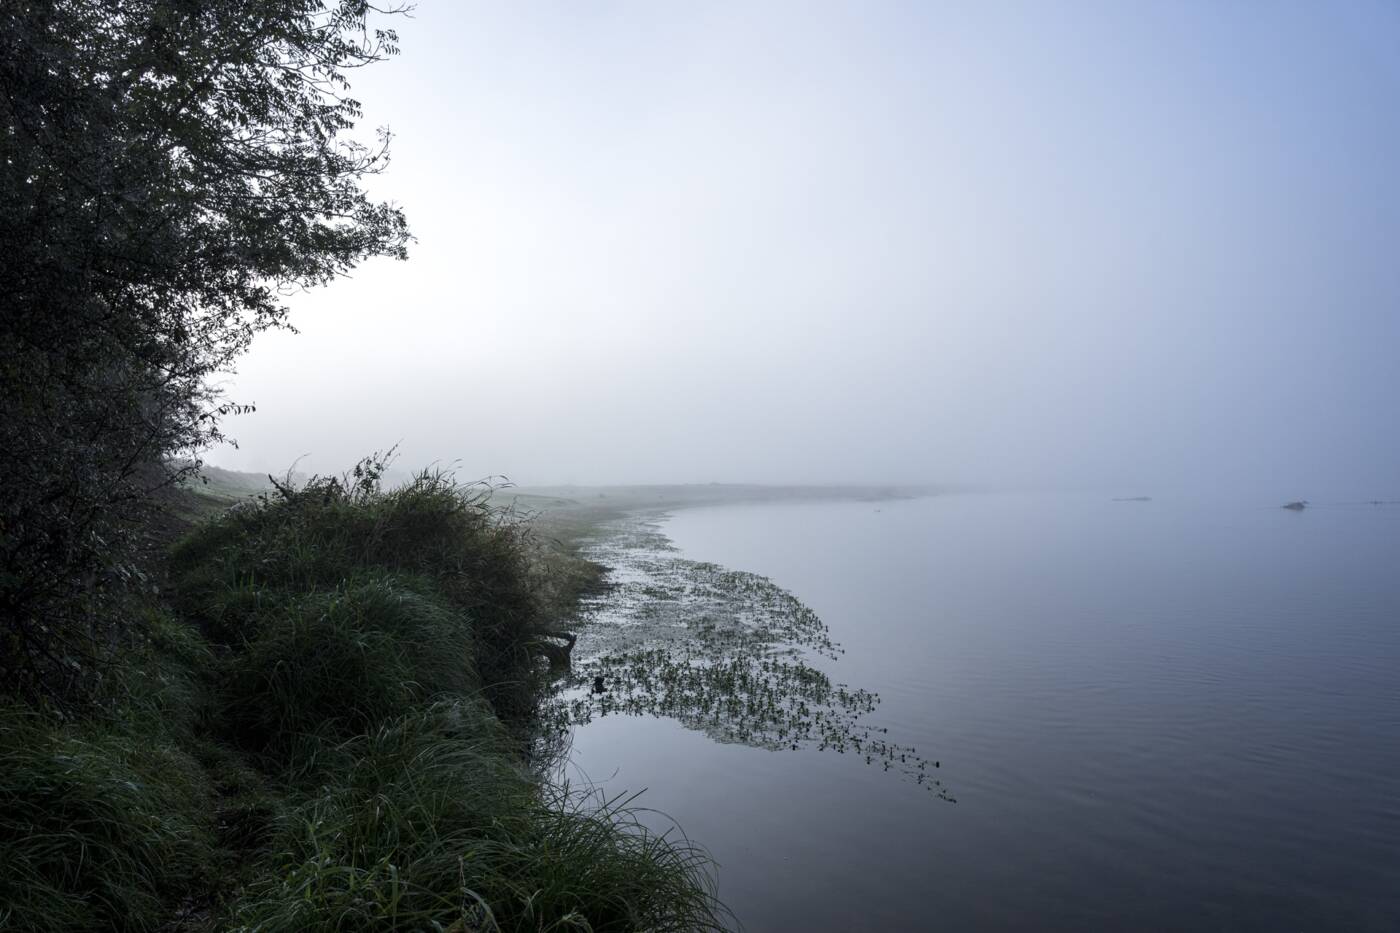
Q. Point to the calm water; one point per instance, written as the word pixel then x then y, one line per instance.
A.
pixel 1154 716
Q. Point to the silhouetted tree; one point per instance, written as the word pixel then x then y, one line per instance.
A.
pixel 169 169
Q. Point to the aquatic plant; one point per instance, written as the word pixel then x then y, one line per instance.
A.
pixel 724 652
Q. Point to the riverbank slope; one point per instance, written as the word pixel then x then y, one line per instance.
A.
pixel 327 726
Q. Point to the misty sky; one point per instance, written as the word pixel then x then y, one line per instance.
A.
pixel 1122 245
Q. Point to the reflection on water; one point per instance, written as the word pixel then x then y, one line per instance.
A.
pixel 1178 716
pixel 720 651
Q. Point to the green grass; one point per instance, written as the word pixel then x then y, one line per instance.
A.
pixel 336 663
pixel 323 731
pixel 331 530
pixel 429 825
pixel 99 828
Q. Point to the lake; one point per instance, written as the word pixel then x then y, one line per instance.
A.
pixel 1165 715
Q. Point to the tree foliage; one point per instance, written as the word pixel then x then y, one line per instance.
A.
pixel 169 171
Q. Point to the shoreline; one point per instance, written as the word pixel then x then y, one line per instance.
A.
pixel 718 650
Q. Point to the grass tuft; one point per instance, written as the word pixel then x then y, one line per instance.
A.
pixel 334 664
pixel 98 829
pixel 332 530
pixel 431 827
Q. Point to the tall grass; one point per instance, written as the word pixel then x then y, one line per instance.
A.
pixel 319 744
pixel 318 537
pixel 99 829
pixel 431 827
pixel 336 663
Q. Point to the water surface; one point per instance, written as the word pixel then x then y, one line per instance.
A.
pixel 1167 715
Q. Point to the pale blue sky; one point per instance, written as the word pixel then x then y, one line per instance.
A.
pixel 1128 245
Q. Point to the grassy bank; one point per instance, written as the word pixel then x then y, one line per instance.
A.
pixel 327 727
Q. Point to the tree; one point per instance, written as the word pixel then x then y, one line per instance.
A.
pixel 169 171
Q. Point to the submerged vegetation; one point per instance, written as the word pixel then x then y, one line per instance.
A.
pixel 328 728
pixel 721 651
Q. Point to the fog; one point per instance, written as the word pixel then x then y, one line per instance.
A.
pixel 1131 247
